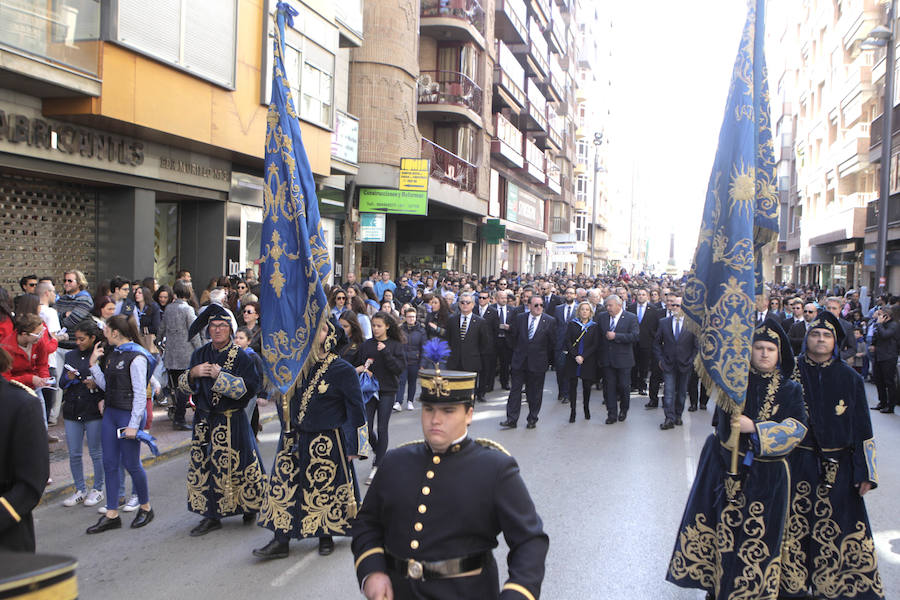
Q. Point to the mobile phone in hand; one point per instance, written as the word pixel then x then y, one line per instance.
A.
pixel 120 432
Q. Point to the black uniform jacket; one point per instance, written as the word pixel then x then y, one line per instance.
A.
pixel 24 465
pixel 430 507
pixel 466 354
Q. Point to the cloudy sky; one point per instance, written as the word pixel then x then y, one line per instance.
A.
pixel 671 70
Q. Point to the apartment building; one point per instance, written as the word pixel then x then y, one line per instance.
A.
pixel 823 107
pixel 485 92
pixel 132 141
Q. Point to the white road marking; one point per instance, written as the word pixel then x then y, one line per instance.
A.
pixel 289 574
pixel 690 468
pixel 883 541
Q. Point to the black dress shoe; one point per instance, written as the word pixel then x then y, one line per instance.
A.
pixel 622 416
pixel 878 406
pixel 565 400
pixel 587 415
pixel 651 404
pixel 610 420
pixel 678 421
pixel 273 549
pixel 143 517
pixel 887 411
pixel 104 524
pixel 692 408
pixel 249 518
pixel 572 418
pixel 205 526
pixel 326 545
pixel 182 426
pixel 702 407
pixel 530 425
pixel 667 425
pixel 508 424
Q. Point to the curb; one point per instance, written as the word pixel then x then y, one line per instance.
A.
pixel 176 450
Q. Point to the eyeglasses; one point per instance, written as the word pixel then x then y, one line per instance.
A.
pixel 70 281
pixel 340 297
pixel 482 297
pixel 809 311
pixel 538 304
pixel 676 306
pixel 249 312
pixel 29 284
pixel 34 335
pixel 465 302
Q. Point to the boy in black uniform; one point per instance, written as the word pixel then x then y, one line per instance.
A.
pixel 430 520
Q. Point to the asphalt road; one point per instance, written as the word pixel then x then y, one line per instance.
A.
pixel 611 498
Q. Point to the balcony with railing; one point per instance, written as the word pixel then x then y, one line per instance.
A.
pixel 854 151
pixel 449 168
pixel 509 81
pixel 506 146
pixel 554 130
pixel 54 45
pixel 556 33
pixel 536 107
pixel 540 9
pixel 552 86
pixel 534 162
pixel 553 180
pixel 451 94
pixel 459 20
pixel 538 51
pixel 510 21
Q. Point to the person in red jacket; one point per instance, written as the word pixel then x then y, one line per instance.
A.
pixel 29 352
pixel 6 315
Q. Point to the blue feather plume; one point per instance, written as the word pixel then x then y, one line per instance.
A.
pixel 436 350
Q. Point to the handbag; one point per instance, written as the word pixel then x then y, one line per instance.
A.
pixel 368 384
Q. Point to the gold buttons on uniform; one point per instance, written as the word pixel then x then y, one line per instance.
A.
pixel 436 460
pixel 417 527
pixel 429 474
pixel 426 490
pixel 414 544
pixel 455 448
pixel 422 508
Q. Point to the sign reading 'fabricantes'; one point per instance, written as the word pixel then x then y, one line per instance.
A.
pixel 25 132
pixel 68 139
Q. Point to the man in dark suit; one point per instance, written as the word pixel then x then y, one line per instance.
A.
pixel 797 332
pixel 564 313
pixel 619 331
pixel 523 307
pixel 648 322
pixel 674 349
pixel 833 304
pixel 487 312
pixel 504 319
pixel 533 340
pixel 796 309
pixel 469 338
pixel 551 300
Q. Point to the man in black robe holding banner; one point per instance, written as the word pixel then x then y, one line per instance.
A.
pixel 313 490
pixel 828 549
pixel 722 539
pixel 225 475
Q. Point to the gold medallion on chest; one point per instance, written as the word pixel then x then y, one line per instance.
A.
pixel 840 408
pixel 323 387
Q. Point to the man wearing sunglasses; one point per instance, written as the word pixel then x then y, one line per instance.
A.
pixel 469 337
pixel 798 330
pixel 533 340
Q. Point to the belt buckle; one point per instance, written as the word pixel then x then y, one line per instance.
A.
pixel 414 569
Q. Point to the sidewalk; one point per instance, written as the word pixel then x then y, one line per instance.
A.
pixel 170 443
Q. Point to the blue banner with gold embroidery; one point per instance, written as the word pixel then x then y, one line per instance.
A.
pixel 739 218
pixel 294 258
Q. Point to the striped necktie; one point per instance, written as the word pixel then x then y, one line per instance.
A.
pixel 531 326
pixel 463 327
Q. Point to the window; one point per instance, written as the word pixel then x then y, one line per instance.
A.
pixel 199 37
pixel 580 227
pixel 311 84
pixel 317 95
pixel 581 188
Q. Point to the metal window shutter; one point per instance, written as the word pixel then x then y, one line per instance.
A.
pixel 156 31
pixel 46 227
pixel 209 39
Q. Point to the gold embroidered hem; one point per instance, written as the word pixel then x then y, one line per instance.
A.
pixel 225 475
pixel 312 489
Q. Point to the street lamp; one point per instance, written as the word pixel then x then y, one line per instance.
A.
pixel 598 139
pixel 882 36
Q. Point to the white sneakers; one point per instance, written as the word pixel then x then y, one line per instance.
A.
pixel 132 504
pixel 94 498
pixel 74 499
pixel 371 476
pixel 397 407
pixel 409 405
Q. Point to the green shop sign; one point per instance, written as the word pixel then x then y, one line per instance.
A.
pixel 400 202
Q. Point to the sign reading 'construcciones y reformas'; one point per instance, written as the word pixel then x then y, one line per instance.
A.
pixel 398 202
